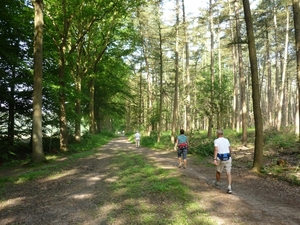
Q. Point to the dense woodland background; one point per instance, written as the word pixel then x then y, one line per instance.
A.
pixel 69 68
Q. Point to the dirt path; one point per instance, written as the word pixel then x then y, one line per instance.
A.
pixel 79 194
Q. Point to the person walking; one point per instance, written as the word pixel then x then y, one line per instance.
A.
pixel 181 145
pixel 137 137
pixel 222 159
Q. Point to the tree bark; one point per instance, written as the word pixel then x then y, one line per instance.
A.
pixel 78 108
pixel 37 136
pixel 212 62
pixel 258 145
pixel 187 71
pixel 92 128
pixel 296 12
pixel 235 102
pixel 175 106
pixel 241 75
pixel 281 87
pixel 160 83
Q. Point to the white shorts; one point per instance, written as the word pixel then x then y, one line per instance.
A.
pixel 224 164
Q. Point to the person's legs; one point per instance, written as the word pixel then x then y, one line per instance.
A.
pixel 179 162
pixel 184 158
pixel 229 179
pixel 228 172
pixel 218 176
pixel 220 168
pixel 137 143
pixel 179 158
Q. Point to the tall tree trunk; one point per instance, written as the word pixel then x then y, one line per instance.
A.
pixel 175 106
pixel 37 136
pixel 92 128
pixel 145 49
pixel 78 108
pixel 160 83
pixel 270 105
pixel 258 148
pixel 212 62
pixel 187 71
pixel 140 107
pixel 80 71
pixel 61 76
pixel 296 12
pixel 62 105
pixel 235 114
pixel 281 87
pixel 277 64
pixel 11 110
pixel 220 117
pixel 241 75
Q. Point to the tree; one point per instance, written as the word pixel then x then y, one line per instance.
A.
pixel 283 76
pixel 15 71
pixel 241 74
pixel 187 72
pixel 212 71
pixel 160 81
pixel 258 148
pixel 296 12
pixel 175 105
pixel 37 137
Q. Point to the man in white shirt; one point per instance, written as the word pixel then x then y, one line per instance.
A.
pixel 137 137
pixel 222 159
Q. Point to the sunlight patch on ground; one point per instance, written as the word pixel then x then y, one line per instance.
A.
pixel 112 179
pixel 297 174
pixel 93 180
pixel 61 175
pixel 11 202
pixel 82 196
pixel 97 178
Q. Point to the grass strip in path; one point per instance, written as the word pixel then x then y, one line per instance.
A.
pixel 146 194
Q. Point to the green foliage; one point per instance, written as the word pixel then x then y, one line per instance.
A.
pixel 21 153
pixel 151 141
pixel 204 147
pixel 89 141
pixel 284 138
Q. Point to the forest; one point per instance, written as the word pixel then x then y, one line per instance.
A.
pixel 72 68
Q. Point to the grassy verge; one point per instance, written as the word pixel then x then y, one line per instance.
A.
pixel 151 195
pixel 26 171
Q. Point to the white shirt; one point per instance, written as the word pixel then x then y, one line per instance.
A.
pixel 222 144
pixel 137 136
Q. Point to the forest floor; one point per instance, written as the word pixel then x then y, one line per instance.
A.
pixel 74 195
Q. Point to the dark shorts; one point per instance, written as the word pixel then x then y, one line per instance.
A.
pixel 182 152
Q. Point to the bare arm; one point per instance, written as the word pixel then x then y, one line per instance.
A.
pixel 215 155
